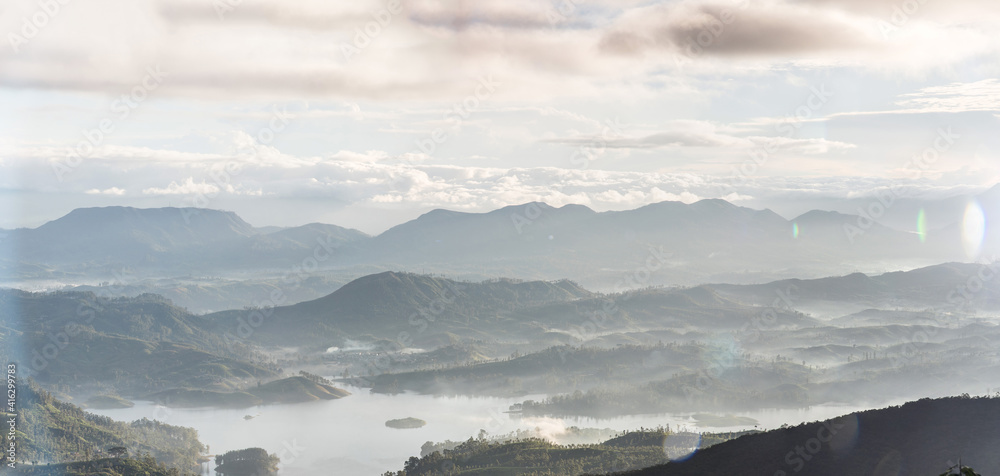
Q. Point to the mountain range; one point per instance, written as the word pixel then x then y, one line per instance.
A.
pixel 706 241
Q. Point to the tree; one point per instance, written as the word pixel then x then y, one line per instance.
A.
pixel 118 451
pixel 962 471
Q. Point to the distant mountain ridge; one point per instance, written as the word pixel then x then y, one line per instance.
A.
pixel 710 240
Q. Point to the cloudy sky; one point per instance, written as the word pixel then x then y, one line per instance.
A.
pixel 365 114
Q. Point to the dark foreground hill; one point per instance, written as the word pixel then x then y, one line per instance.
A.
pixel 919 438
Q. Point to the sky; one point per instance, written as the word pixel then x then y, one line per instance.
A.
pixel 368 113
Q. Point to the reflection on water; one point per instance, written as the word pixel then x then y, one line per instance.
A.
pixel 350 434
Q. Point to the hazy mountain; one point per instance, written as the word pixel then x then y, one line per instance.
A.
pixel 670 242
pixel 703 238
pixel 135 242
pixel 134 346
pixel 127 235
pixel 385 304
pixel 949 286
pixel 212 294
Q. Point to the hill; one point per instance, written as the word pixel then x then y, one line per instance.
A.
pixel 532 456
pixel 948 285
pixel 919 438
pixel 386 304
pixel 288 390
pixel 163 241
pixel 49 430
pixel 130 346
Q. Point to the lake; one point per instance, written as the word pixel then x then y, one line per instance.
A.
pixel 349 435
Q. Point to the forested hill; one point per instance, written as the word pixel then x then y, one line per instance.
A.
pixel 919 438
pixel 52 431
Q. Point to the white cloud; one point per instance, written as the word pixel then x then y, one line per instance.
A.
pixel 187 187
pixel 109 191
pixel 269 48
pixel 956 97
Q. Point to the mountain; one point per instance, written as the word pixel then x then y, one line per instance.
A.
pixel 127 235
pixel 86 345
pixel 668 242
pixel 506 233
pixel 175 241
pixel 307 235
pixel 949 286
pixel 146 317
pixel 925 437
pixel 384 305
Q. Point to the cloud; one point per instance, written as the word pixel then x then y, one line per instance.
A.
pixel 734 29
pixel 436 50
pixel 702 134
pixel 110 191
pixel 187 187
pixel 956 97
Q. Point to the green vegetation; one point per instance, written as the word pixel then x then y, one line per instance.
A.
pixel 626 379
pixel 405 423
pixel 78 343
pixel 288 390
pixel 105 402
pixel 144 466
pixel 53 431
pixel 535 456
pixel 247 462
pixel 296 390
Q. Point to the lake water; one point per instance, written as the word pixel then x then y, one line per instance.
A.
pixel 349 436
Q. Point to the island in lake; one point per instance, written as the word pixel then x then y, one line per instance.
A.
pixel 404 423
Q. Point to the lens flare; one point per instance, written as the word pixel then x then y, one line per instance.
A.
pixel 973 229
pixel 922 225
pixel 681 446
pixel 795 230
